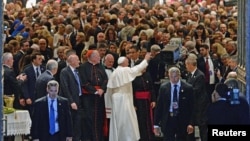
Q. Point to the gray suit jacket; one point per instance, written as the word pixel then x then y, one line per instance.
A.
pixel 41 84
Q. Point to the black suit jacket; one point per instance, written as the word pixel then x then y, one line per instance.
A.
pixel 29 85
pixel 17 58
pixel 222 112
pixel 11 85
pixel 41 84
pixel 201 100
pixel 78 48
pixel 69 86
pixel 185 106
pixel 40 119
pixel 219 113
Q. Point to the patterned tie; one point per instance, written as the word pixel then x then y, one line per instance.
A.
pixel 78 81
pixel 175 101
pixel 52 119
pixel 207 75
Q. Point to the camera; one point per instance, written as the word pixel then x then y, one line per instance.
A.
pixel 171 53
pixel 234 96
pixel 234 91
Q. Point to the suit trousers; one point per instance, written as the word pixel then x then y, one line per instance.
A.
pixel 55 137
pixel 174 131
pixel 77 124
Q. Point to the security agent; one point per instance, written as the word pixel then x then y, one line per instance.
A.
pixel 46 127
pixel 239 104
pixel 219 111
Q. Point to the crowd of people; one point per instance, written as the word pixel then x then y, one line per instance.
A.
pixel 105 61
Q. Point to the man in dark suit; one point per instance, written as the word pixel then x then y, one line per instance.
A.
pixel 45 50
pixel 209 66
pixel 101 27
pixel 71 89
pixel 45 77
pixel 46 127
pixel 72 36
pixel 32 70
pixel 12 85
pixel 239 111
pixel 201 100
pixel 156 67
pixel 174 117
pixel 219 111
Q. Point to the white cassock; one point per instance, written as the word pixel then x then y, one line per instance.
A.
pixel 119 101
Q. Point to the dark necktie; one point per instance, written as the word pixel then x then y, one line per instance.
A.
pixel 175 101
pixel 207 75
pixel 78 81
pixel 189 76
pixel 52 119
pixel 37 72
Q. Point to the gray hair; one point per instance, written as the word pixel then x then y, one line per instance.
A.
pixel 191 59
pixel 190 45
pixel 69 27
pixel 52 83
pixel 51 64
pixel 155 48
pixel 174 70
pixel 7 56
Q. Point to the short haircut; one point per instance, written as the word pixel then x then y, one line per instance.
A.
pixel 204 46
pixel 34 54
pixel 191 59
pixel 52 83
pixel 102 45
pixel 174 70
pixel 51 64
pixel 7 56
pixel 155 48
pixel 70 52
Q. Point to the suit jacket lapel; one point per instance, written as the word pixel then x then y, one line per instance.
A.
pixel 72 74
pixel 168 94
pixel 46 108
pixel 59 104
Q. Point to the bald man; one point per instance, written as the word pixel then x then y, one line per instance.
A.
pixel 108 63
pixel 71 89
